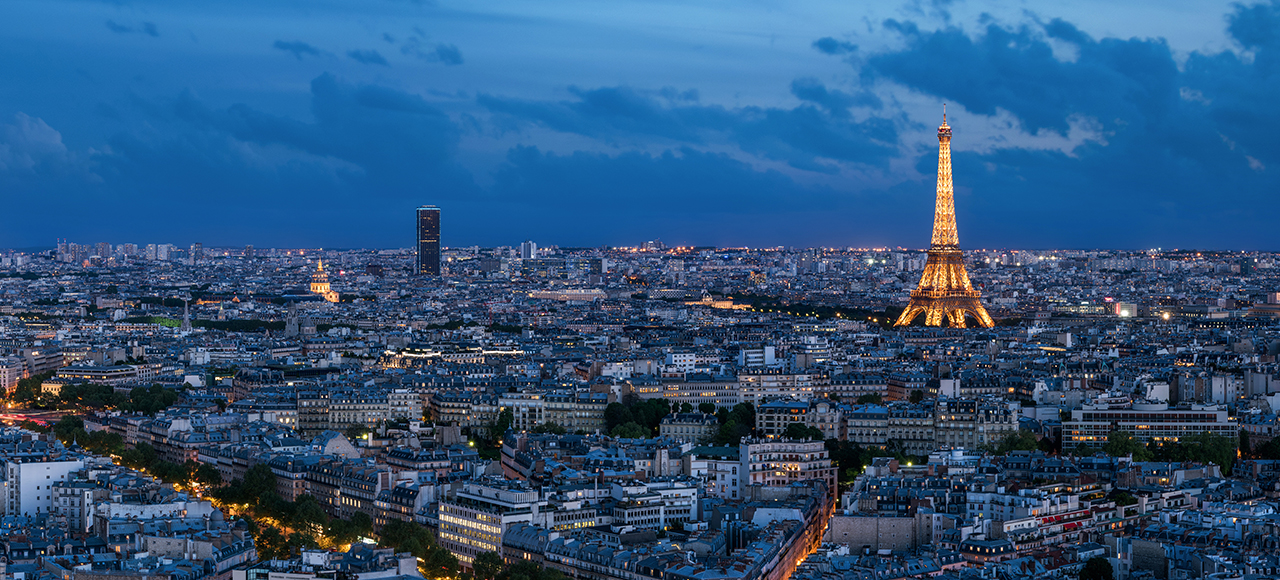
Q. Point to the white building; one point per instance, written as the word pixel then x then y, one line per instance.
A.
pixel 528 250
pixel 28 486
pixel 473 521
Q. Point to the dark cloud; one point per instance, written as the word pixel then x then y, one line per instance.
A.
pixel 798 136
pixel 149 28
pixel 417 47
pixel 448 54
pixel 30 146
pixel 367 57
pixel 830 45
pixel 365 152
pixel 297 48
pixel 1171 154
pixel 835 102
pixel 118 28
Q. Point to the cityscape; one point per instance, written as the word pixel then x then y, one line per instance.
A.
pixel 537 313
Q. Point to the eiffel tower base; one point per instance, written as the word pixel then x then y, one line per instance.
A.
pixel 950 310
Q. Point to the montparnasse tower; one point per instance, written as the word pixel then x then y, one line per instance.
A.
pixel 945 291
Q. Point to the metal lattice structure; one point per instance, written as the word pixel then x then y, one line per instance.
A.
pixel 945 291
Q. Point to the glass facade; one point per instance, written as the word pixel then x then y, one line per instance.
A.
pixel 428 241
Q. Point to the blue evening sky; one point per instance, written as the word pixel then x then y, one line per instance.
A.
pixel 1085 124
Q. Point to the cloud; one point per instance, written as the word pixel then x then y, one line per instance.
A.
pixel 448 54
pixel 830 45
pixel 30 145
pixel 297 48
pixel 416 47
pixel 799 136
pixel 367 57
pixel 1184 149
pixel 363 158
pixel 835 102
pixel 147 28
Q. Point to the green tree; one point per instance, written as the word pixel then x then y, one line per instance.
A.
pixel 208 475
pixel 708 408
pixel 526 570
pixel 803 432
pixel 271 544
pixel 1020 440
pixel 487 565
pixel 505 419
pixel 308 515
pixel 1124 498
pixel 630 430
pixel 1207 447
pixel 1121 443
pixel 354 432
pixel 259 485
pixel 616 414
pixel 916 396
pixel 549 427
pixel 28 390
pixel 67 427
pixel 1097 568
pixel 142 456
pixel 870 398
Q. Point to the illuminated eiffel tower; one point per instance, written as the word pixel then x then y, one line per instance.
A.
pixel 945 290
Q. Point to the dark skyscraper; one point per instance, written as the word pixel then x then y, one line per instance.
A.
pixel 428 241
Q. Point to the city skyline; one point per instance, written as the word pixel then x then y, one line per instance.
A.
pixel 765 125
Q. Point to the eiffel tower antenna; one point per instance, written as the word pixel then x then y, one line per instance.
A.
pixel 945 290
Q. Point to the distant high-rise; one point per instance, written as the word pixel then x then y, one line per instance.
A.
pixel 248 251
pixel 528 250
pixel 428 240
pixel 196 253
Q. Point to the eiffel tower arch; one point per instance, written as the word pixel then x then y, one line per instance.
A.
pixel 945 295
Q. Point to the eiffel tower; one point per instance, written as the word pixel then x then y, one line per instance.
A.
pixel 945 290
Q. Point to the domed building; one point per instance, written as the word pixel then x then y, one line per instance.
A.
pixel 320 283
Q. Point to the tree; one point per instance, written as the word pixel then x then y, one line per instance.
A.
pixel 549 427
pixel 1207 447
pixel 1120 443
pixel 1020 440
pixel 616 414
pixel 308 515
pixel 505 419
pixel 29 389
pixel 487 565
pixel 708 408
pixel 916 396
pixel 1125 498
pixel 142 455
pixel 208 475
pixel 271 544
pixel 870 399
pixel 259 485
pixel 1097 568
pixel 67 427
pixel 526 570
pixel 630 430
pixel 686 408
pixel 802 432
pixel 354 432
